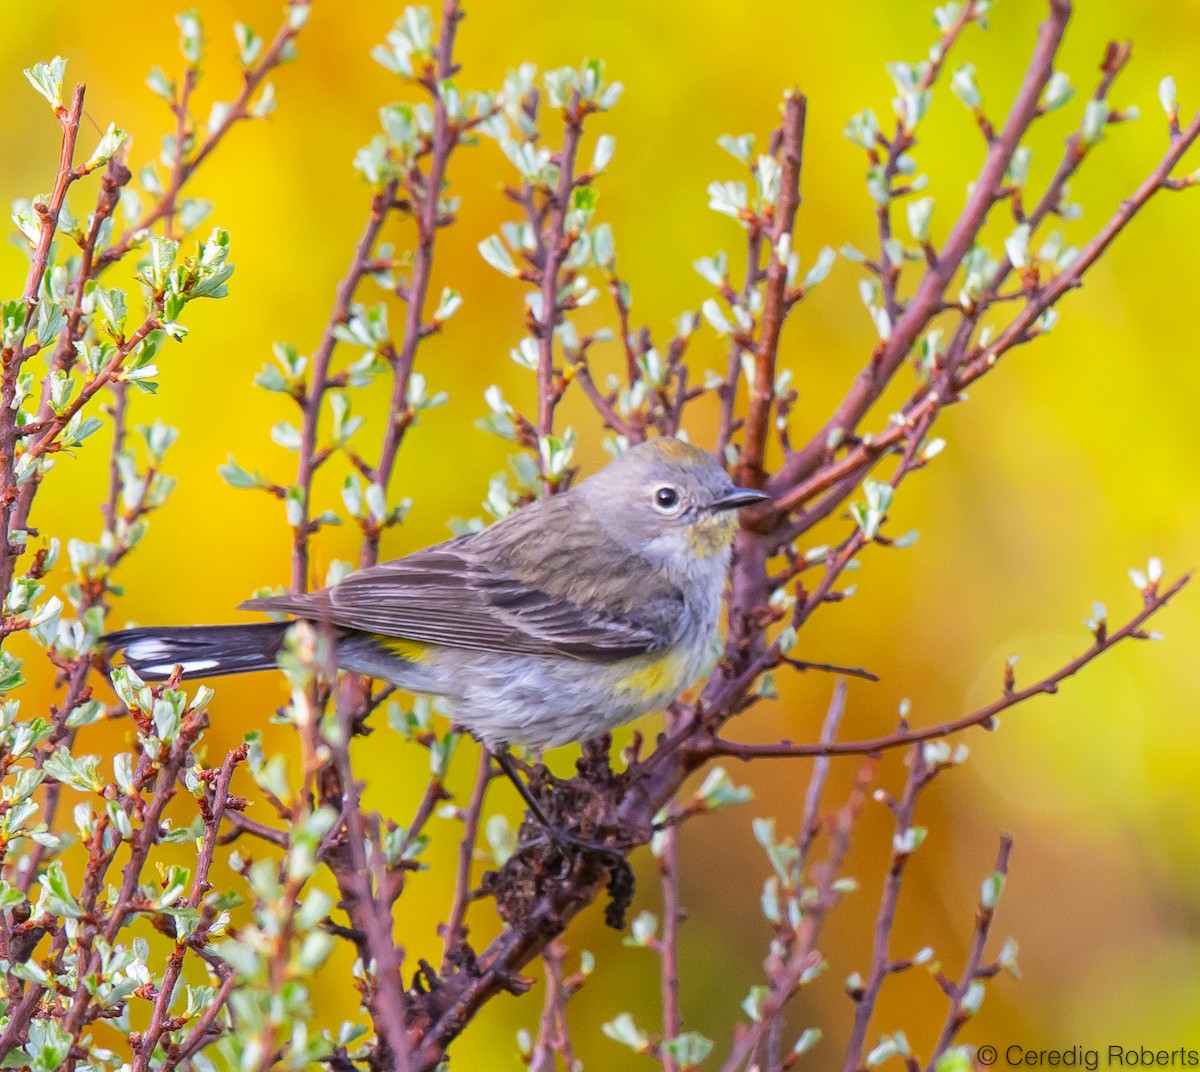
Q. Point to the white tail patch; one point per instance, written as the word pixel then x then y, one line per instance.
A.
pixel 191 666
pixel 149 648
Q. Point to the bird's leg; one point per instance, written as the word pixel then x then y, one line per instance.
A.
pixel 504 759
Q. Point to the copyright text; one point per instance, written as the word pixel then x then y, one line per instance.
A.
pixel 1091 1059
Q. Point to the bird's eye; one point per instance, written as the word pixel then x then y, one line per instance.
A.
pixel 666 498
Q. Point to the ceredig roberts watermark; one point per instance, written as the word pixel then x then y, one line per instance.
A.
pixel 1089 1058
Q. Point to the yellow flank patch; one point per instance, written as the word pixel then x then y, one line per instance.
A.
pixel 713 533
pixel 411 650
pixel 658 677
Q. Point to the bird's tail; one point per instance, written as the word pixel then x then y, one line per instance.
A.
pixel 201 650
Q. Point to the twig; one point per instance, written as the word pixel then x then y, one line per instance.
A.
pixel 554 1036
pixel 872 380
pixel 794 956
pixel 371 911
pixel 381 205
pixel 13 358
pixel 957 1016
pixel 454 933
pixel 775 303
pixel 919 775
pixel 166 991
pixel 673 915
pixel 253 78
pixel 1154 602
pixel 426 198
pixel 554 246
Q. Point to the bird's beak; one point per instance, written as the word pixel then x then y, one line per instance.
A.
pixel 736 498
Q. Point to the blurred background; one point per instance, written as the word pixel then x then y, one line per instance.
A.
pixel 1074 462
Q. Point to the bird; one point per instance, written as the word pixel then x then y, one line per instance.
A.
pixel 573 615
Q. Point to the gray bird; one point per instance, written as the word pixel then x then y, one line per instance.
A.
pixel 572 616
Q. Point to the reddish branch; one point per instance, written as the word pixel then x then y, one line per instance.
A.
pixel 1017 331
pixel 985 191
pixel 776 299
pixel 155 780
pixel 974 969
pixel 555 246
pixel 14 357
pixel 668 946
pixel 1047 686
pixel 364 886
pixel 368 886
pixel 860 458
pixel 455 933
pixel 554 1035
pixel 865 996
pixel 318 385
pixel 794 951
pixel 237 111
pixel 425 193
pixel 158 1026
pixel 422 199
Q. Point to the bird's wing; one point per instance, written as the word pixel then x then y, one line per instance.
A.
pixel 444 596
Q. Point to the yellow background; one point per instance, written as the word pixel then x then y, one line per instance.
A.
pixel 1073 462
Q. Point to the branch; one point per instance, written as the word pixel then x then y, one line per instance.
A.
pixel 793 954
pixel 371 911
pixel 851 466
pixel 275 55
pixel 554 1036
pixel 1154 602
pixel 870 384
pixel 554 248
pixel 1015 333
pixel 14 357
pixel 381 204
pixel 425 195
pixel 158 1027
pixel 972 970
pixel 775 303
pixel 919 776
pixel 455 934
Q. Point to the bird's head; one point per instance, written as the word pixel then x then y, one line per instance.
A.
pixel 669 500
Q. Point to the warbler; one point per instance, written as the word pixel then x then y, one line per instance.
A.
pixel 569 617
